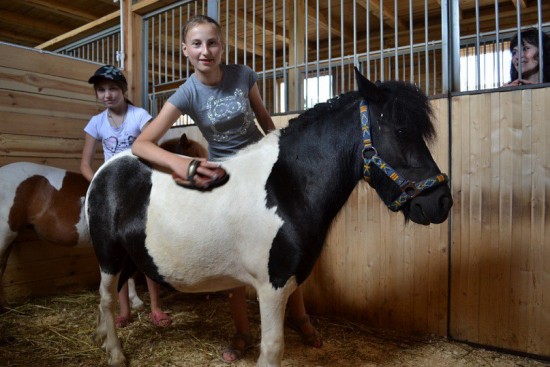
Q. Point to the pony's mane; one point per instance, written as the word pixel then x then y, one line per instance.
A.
pixel 321 109
pixel 411 106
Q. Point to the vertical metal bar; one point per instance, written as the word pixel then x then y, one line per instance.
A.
pixel 296 78
pixel 329 31
pixel 454 46
pixel 173 48
pixel 367 15
pixel 152 21
pixel 541 48
pixel 520 43
pixel 478 56
pixel 317 44
pixel 159 61
pixel 145 62
pixel 342 86
pixel 306 61
pixel 187 71
pixel 180 40
pixel 285 77
pixel 236 34
pixel 396 36
pixel 244 32
pixel 445 44
pixel 226 33
pixel 497 42
pixel 426 51
pixel 381 15
pixel 166 47
pixel 411 38
pixel 274 58
pixel 212 9
pixel 264 69
pixel 253 34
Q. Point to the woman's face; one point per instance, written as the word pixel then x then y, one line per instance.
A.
pixel 110 94
pixel 529 60
pixel 203 47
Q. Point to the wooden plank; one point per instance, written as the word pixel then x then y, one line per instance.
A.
pixel 500 261
pixel 105 22
pixel 33 146
pixel 49 126
pixel 23 102
pixel 70 164
pixel 30 59
pixel 44 84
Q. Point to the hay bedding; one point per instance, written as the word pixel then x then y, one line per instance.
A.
pixel 56 331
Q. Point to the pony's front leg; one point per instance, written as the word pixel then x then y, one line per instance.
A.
pixel 272 313
pixel 105 332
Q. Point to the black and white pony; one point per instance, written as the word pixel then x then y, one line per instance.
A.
pixel 266 226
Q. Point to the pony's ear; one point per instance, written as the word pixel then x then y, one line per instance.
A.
pixel 183 140
pixel 367 89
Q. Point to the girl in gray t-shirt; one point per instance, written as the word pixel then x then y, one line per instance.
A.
pixel 223 101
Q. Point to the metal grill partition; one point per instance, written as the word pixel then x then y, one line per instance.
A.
pixel 304 50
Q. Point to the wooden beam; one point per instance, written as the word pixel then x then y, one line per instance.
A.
pixel 519 4
pixel 389 18
pixel 34 24
pixel 312 13
pixel 92 27
pixel 145 6
pixel 61 8
pixel 17 38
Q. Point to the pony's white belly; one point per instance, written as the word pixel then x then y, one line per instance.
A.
pixel 205 241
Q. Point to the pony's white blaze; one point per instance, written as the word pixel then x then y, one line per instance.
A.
pixel 202 241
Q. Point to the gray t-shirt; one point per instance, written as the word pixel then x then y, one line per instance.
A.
pixel 222 112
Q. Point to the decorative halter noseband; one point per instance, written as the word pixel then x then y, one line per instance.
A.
pixel 409 189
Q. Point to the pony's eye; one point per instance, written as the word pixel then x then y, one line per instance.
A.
pixel 402 133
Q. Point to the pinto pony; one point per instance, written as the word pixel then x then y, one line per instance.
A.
pixel 50 200
pixel 266 226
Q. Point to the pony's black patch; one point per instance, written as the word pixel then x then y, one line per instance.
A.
pixel 321 160
pixel 311 181
pixel 117 211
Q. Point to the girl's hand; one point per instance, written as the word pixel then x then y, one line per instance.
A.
pixel 199 174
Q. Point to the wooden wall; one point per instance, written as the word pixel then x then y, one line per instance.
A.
pixel 376 268
pixel 45 102
pixel 500 257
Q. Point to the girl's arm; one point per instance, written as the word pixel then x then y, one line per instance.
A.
pixel 146 147
pixel 88 153
pixel 264 119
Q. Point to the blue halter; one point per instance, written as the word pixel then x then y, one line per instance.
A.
pixel 409 189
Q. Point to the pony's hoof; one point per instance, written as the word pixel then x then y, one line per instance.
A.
pixel 98 339
pixel 117 360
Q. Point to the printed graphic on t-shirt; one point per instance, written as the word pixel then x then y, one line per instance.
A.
pixel 228 114
pixel 116 145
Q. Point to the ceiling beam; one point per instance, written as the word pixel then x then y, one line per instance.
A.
pixel 63 9
pixel 32 24
pixel 17 38
pixel 389 18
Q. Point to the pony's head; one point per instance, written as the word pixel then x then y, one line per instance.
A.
pixel 396 119
pixel 185 146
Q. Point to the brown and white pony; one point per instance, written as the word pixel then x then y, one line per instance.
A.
pixel 50 200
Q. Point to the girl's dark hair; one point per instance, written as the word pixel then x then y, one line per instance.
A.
pixel 200 19
pixel 531 36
